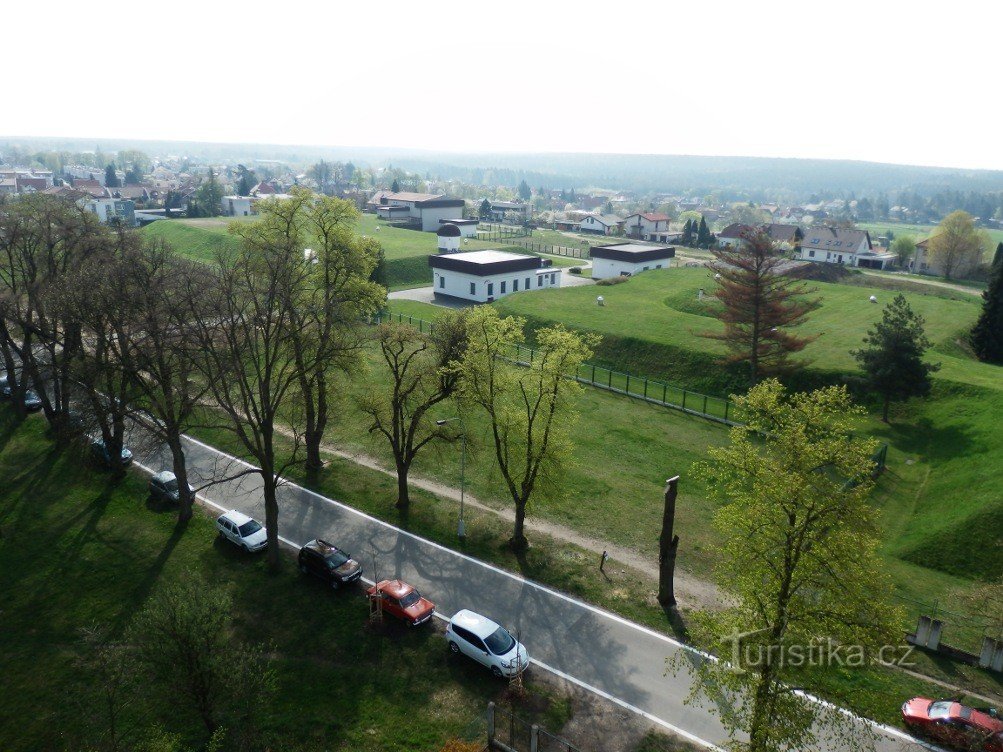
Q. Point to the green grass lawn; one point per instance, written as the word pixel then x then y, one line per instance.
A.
pixel 196 238
pixel 919 232
pixel 78 548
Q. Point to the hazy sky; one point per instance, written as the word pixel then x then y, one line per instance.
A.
pixel 911 82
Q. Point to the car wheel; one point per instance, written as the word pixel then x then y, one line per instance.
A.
pixel 245 547
pixel 453 647
pixel 496 671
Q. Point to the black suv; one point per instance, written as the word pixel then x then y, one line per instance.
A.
pixel 329 563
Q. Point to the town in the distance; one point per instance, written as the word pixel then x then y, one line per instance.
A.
pixel 306 451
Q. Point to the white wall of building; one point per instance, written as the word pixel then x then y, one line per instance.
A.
pixel 430 217
pixel 237 206
pixel 449 244
pixel 592 224
pixel 603 268
pixel 458 284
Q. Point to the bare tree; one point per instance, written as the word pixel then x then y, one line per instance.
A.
pixel 244 354
pixel 420 378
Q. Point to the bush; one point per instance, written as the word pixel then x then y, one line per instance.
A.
pixel 612 281
pixel 575 270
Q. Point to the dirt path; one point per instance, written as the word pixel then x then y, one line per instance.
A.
pixel 920 280
pixel 691 592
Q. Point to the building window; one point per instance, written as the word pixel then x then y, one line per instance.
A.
pixel 515 285
pixel 658 266
pixel 503 287
pixel 491 289
pixel 539 281
pixel 811 254
pixel 553 279
pixel 528 285
pixel 473 288
pixel 442 281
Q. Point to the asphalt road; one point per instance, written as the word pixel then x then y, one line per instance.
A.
pixel 602 652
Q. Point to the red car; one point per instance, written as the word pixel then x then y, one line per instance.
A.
pixel 403 601
pixel 955 725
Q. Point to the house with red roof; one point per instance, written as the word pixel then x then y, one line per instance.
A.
pixel 646 225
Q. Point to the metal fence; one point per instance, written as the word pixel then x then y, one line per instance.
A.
pixel 583 253
pixel 509 733
pixel 720 409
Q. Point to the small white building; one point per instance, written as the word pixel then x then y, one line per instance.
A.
pixel 646 226
pixel 485 276
pixel 448 238
pixel 600 224
pixel 468 227
pixel 628 259
pixel 502 210
pixel 237 206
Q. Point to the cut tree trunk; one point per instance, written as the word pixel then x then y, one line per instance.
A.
pixel 668 545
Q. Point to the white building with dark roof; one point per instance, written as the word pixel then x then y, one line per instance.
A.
pixel 628 259
pixel 425 210
pixel 486 276
pixel 835 245
pixel 601 224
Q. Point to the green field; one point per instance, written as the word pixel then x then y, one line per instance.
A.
pixel 919 232
pixel 407 251
pixel 78 549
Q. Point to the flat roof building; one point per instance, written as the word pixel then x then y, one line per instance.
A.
pixel 485 276
pixel 628 259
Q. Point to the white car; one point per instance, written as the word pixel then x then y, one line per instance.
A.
pixel 242 531
pixel 488 643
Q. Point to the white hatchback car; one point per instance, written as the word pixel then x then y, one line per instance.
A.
pixel 487 643
pixel 242 531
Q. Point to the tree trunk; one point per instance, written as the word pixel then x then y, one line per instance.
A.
pixel 312 439
pixel 185 499
pixel 518 540
pixel 403 493
pixel 272 519
pixel 668 545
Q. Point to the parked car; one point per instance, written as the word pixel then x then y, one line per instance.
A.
pixel 32 401
pixel 164 487
pixel 488 643
pixel 100 452
pixel 5 389
pixel 402 601
pixel 329 563
pixel 954 725
pixel 242 531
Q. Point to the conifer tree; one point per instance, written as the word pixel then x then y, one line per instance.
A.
pixel 987 334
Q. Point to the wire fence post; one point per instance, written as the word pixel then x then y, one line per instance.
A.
pixel 705 404
pixel 646 387
pixel 727 404
pixel 684 399
pixel 664 389
pixel 627 388
pixel 593 373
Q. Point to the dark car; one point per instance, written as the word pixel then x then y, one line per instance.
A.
pixel 100 452
pixel 5 386
pixel 329 563
pixel 32 401
pixel 164 487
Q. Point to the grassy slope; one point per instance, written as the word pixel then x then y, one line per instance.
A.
pixel 944 510
pixel 917 231
pixel 78 549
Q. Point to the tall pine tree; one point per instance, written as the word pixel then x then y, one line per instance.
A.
pixel 759 306
pixel 893 359
pixel 987 334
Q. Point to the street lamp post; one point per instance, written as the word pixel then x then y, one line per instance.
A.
pixel 460 529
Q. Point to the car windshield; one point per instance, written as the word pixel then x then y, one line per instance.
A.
pixel 410 599
pixel 336 558
pixel 500 641
pixel 940 709
pixel 249 528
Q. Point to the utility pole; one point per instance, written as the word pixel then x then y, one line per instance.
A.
pixel 668 545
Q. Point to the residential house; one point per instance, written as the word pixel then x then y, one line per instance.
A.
pixel 92 188
pixel 784 236
pixel 113 209
pixel 835 245
pixel 646 226
pixel 502 210
pixel 485 276
pixel 601 224
pixel 237 206
pixel 377 200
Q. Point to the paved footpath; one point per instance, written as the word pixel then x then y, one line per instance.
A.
pixel 602 652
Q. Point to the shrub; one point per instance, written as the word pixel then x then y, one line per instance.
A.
pixel 612 281
pixel 575 270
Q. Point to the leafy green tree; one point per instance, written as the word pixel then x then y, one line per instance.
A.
pixel 525 192
pixel 893 357
pixel 987 334
pixel 485 209
pixel 420 378
pixel 183 639
pixel 208 197
pixel 110 176
pixel 760 306
pixel 687 238
pixel 798 566
pixel 246 180
pixel 904 246
pixel 998 256
pixel 395 186
pixel 704 236
pixel 958 245
pixel 530 410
